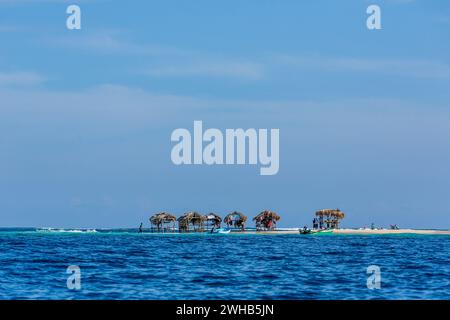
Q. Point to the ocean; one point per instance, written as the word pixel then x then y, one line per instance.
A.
pixel 123 264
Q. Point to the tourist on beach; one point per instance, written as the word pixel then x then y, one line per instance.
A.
pixel 321 223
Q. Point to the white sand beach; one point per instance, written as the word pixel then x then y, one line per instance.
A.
pixel 388 231
pixel 362 231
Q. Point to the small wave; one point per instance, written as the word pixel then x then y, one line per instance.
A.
pixel 66 230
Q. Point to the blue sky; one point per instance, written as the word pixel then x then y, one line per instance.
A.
pixel 86 115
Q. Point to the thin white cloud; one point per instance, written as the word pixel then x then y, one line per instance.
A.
pixel 20 79
pixel 109 42
pixel 400 67
pixel 400 1
pixel 112 113
pixel 219 69
pixel 391 2
pixel 10 28
pixel 173 61
pixel 12 2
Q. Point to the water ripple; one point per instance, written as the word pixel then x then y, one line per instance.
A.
pixel 129 266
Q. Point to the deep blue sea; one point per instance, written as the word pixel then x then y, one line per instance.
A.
pixel 123 264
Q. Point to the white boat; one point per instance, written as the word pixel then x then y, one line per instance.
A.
pixel 222 230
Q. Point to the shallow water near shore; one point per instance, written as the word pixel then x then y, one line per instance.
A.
pixel 122 264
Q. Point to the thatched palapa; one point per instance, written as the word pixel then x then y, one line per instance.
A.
pixel 163 221
pixel 266 220
pixel 236 219
pixel 191 222
pixel 329 218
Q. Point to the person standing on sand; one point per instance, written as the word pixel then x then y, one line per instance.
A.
pixel 315 224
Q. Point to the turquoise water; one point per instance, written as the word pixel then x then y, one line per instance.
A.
pixel 122 264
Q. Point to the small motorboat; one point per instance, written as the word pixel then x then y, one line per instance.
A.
pixel 305 231
pixel 221 231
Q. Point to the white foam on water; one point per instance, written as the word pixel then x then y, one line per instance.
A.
pixel 66 230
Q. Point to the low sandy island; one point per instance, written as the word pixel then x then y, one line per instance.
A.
pixel 388 231
pixel 351 232
pixel 296 231
pixel 326 232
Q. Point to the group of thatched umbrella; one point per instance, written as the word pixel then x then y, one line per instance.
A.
pixel 266 220
pixel 197 222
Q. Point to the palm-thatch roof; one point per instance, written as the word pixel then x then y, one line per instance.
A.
pixel 162 217
pixel 339 215
pixel 235 216
pixel 267 214
pixel 191 217
pixel 330 213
